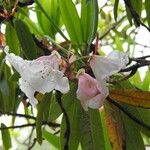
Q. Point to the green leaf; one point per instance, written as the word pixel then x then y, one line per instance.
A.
pixel 40 115
pixel 14 77
pixel 12 39
pixel 146 82
pixel 132 134
pixel 91 131
pixel 55 110
pixel 71 20
pixel 23 14
pixel 50 20
pixel 147 6
pixel 137 6
pixel 51 138
pixel 52 9
pixel 89 19
pixel 6 138
pixel 25 39
pixel 74 118
pixel 116 9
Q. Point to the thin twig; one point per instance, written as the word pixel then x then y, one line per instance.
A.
pixel 51 124
pixel 134 15
pixel 125 78
pixel 18 115
pixel 136 66
pixel 34 142
pixel 18 126
pixel 112 28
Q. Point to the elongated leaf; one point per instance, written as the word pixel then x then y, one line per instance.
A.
pixel 89 19
pixel 25 39
pixel 51 20
pixel 133 97
pixel 132 134
pixel 116 9
pixel 91 131
pixel 67 101
pixel 137 6
pixel 74 118
pixel 147 6
pixel 71 20
pixel 114 130
pixel 40 116
pixel 6 138
pixel 52 9
pixel 51 138
pixel 12 39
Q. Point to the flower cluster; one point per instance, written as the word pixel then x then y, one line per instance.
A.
pixel 46 73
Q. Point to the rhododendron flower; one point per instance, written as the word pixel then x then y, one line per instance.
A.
pixel 41 75
pixel 89 91
pixel 92 92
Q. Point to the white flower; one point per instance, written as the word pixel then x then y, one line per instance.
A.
pixel 93 92
pixel 41 75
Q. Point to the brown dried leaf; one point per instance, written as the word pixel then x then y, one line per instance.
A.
pixel 114 131
pixel 131 96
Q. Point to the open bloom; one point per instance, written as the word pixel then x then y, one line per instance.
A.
pixel 41 75
pixel 92 92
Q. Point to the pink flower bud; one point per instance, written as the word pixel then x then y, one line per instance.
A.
pixel 89 92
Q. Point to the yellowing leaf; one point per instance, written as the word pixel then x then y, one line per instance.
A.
pixel 133 97
pixel 113 131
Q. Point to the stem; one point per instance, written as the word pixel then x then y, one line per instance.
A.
pixel 18 115
pixel 30 125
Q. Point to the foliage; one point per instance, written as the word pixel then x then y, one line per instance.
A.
pixel 76 26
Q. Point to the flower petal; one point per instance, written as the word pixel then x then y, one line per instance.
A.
pixel 41 75
pixel 28 90
pixel 17 62
pixel 104 67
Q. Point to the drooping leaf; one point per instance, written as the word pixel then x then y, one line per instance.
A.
pixel 73 114
pixel 114 131
pixel 44 101
pixel 133 97
pixel 55 110
pixel 71 20
pixel 132 133
pixel 12 39
pixel 51 138
pixel 6 138
pixel 91 131
pixel 25 39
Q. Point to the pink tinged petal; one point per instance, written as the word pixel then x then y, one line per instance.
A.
pixel 90 92
pixel 104 67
